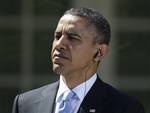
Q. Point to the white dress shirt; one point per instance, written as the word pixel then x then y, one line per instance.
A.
pixel 81 90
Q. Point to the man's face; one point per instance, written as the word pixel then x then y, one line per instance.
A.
pixel 73 48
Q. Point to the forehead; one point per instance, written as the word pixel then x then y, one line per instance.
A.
pixel 72 21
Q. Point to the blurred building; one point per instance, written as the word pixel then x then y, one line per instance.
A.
pixel 26 34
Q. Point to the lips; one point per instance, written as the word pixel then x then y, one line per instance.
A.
pixel 60 56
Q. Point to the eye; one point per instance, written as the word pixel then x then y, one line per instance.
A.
pixel 72 36
pixel 57 36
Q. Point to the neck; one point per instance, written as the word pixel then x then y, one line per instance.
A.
pixel 73 79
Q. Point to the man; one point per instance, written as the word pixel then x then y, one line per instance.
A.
pixel 81 41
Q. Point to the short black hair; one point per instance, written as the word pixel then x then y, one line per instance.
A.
pixel 97 19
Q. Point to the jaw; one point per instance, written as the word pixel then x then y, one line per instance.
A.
pixel 58 69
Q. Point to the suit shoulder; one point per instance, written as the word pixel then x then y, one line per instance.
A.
pixel 36 94
pixel 119 98
pixel 116 94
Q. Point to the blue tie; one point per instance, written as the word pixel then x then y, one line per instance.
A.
pixel 65 105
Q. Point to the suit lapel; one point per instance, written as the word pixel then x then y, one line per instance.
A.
pixel 46 104
pixel 94 101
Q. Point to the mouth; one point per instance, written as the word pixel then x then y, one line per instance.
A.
pixel 59 56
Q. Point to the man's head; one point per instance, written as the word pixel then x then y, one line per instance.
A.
pixel 80 41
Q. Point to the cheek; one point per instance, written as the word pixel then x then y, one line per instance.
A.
pixel 82 55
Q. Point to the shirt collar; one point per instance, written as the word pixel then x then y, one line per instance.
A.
pixel 81 90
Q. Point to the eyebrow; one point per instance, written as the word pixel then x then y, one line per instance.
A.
pixel 73 34
pixel 57 32
pixel 70 33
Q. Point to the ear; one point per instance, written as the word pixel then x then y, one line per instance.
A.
pixel 102 51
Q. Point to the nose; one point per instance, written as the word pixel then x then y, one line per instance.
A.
pixel 61 43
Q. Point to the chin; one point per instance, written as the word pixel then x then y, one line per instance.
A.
pixel 58 69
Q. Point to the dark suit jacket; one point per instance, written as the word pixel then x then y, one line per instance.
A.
pixel 102 98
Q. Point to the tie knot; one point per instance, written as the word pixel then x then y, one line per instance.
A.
pixel 69 95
